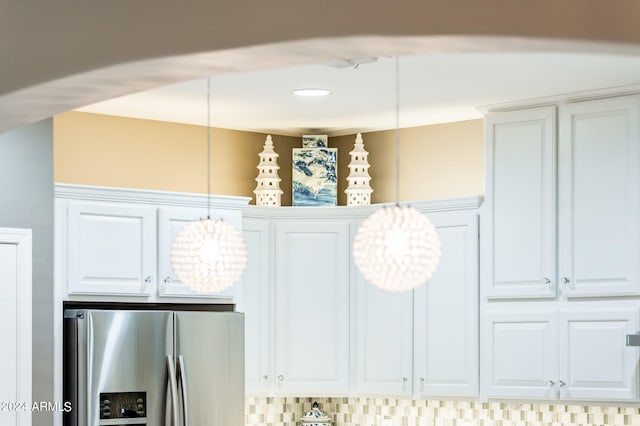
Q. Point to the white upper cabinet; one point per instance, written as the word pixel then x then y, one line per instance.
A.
pixel 256 302
pixel 311 332
pixel 117 242
pixel 384 338
pixel 111 249
pixel 312 278
pixel 425 342
pixel 446 313
pixel 171 220
pixel 574 354
pixel 599 195
pixel 518 231
pixel 567 344
pixel 595 363
pixel 521 359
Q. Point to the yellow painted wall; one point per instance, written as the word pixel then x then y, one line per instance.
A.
pixel 93 149
pixel 440 161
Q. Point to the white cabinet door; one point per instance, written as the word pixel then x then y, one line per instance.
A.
pixel 15 326
pixel 255 301
pixel 111 249
pixel 519 231
pixel 446 313
pixel 384 340
pixel 521 359
pixel 599 176
pixel 171 220
pixel 312 307
pixel 595 363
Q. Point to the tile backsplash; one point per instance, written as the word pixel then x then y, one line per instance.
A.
pixel 286 411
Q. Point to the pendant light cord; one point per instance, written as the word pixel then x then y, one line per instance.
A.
pixel 209 148
pixel 397 131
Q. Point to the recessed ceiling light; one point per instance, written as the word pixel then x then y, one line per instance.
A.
pixel 311 92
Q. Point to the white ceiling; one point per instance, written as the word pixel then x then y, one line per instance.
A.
pixel 434 88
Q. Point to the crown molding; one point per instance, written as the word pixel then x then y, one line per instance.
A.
pixel 137 196
pixel 564 98
pixel 358 212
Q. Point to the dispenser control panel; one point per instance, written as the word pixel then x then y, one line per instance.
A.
pixel 123 408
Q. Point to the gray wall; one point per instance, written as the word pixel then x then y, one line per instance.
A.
pixel 26 201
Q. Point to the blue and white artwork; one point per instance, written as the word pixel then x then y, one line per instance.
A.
pixel 315 141
pixel 315 176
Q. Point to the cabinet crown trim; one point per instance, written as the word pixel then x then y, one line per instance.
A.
pixel 341 212
pixel 137 196
pixel 567 98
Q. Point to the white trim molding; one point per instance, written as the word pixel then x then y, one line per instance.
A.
pixel 138 196
pixel 359 212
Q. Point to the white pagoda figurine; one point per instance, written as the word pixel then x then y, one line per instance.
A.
pixel 358 190
pixel 268 192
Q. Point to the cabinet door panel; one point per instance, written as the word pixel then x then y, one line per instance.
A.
pixel 255 302
pixel 600 191
pixel 111 249
pixel 595 363
pixel 520 204
pixel 384 341
pixel 311 305
pixel 15 324
pixel 522 355
pixel 171 220
pixel 446 313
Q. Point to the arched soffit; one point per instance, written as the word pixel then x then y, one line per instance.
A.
pixel 45 99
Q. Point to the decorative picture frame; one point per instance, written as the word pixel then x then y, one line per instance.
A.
pixel 315 176
pixel 315 141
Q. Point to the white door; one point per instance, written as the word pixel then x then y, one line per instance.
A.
pixel 15 326
pixel 519 230
pixel 384 340
pixel 595 363
pixel 171 220
pixel 599 196
pixel 312 307
pixel 111 249
pixel 446 313
pixel 256 301
pixel 521 359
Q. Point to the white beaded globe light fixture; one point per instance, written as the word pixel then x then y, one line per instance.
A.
pixel 358 191
pixel 208 255
pixel 397 248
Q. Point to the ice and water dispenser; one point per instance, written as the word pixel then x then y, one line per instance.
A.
pixel 123 408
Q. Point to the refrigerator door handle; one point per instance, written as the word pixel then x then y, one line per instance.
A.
pixel 183 387
pixel 173 385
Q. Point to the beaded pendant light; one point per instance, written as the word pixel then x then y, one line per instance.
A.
pixel 208 255
pixel 397 248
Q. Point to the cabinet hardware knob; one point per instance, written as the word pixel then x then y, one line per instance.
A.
pixel 167 280
pixel 547 280
pixel 266 377
pixel 551 383
pixel 280 377
pixel 148 279
pixel 421 379
pixel 405 380
pixel 565 280
pixel 561 383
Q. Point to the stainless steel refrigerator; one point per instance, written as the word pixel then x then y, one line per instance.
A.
pixel 160 368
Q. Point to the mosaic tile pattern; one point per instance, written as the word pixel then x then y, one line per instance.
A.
pixel 270 411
